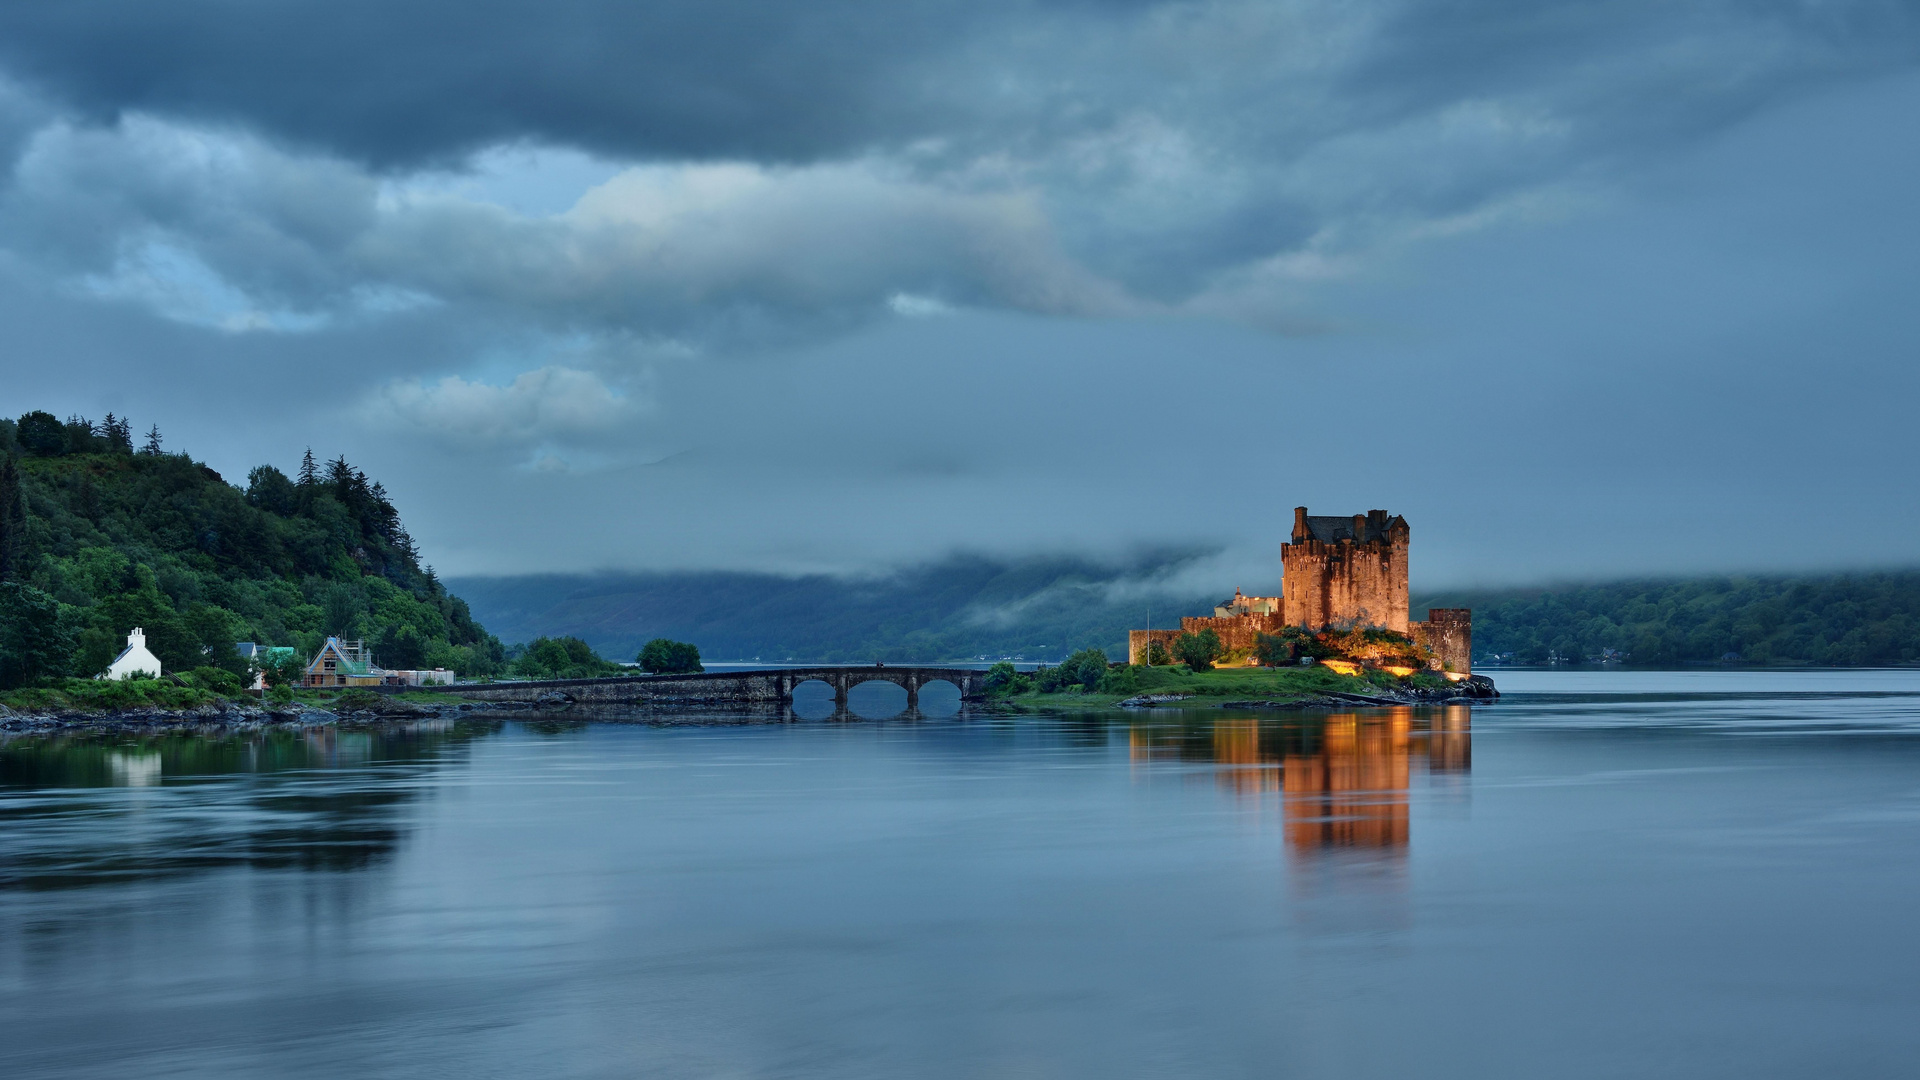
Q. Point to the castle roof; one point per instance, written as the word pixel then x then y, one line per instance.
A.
pixel 1329 530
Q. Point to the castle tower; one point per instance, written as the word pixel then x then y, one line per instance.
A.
pixel 1341 571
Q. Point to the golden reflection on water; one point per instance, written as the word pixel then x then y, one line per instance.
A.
pixel 1342 781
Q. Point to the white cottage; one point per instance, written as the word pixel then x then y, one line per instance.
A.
pixel 134 661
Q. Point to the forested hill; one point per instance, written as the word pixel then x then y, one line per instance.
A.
pixel 1838 619
pixel 97 537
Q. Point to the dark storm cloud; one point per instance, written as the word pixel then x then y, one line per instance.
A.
pixel 402 83
pixel 399 84
pixel 1052 157
pixel 611 259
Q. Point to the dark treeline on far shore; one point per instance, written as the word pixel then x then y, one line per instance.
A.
pixel 1847 619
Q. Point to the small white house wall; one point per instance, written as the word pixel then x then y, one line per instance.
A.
pixel 134 663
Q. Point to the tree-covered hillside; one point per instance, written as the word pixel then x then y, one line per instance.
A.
pixel 1840 619
pixel 97 537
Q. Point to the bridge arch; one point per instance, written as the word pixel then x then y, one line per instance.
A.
pixel 813 698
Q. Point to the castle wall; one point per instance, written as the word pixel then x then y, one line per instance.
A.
pixel 1137 643
pixel 1325 584
pixel 1448 633
pixel 1236 632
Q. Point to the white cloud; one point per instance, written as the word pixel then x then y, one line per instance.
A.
pixel 178 285
pixel 550 403
pixel 917 307
pixel 220 229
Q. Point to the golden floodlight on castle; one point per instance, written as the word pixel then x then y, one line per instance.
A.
pixel 1335 573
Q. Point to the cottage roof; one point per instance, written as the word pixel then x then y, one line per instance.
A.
pixel 342 663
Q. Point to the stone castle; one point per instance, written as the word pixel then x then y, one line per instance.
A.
pixel 1335 572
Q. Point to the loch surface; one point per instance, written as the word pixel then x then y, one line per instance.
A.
pixel 1604 874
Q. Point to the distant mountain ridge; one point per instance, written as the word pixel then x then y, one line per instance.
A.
pixel 956 608
pixel 1048 608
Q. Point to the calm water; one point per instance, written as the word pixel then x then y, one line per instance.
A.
pixel 1607 874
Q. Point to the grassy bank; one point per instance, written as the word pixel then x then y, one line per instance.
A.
pixel 168 695
pixel 1232 684
pixel 111 696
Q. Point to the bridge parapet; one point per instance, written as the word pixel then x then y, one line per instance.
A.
pixel 763 687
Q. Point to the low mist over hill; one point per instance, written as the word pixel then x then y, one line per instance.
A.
pixel 960 607
pixel 1048 608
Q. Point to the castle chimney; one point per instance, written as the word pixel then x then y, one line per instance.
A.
pixel 1359 528
pixel 1300 525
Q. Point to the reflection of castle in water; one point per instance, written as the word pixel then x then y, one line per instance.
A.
pixel 1342 781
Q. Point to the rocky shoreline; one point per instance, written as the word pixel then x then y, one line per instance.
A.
pixel 235 716
pixel 1473 689
pixel 238 716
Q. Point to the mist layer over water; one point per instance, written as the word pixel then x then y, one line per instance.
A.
pixel 1604 874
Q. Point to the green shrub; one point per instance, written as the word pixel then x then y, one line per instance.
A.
pixel 1121 680
pixel 280 694
pixel 665 657
pixel 1083 670
pixel 1004 681
pixel 1157 655
pixel 562 658
pixel 1198 651
pixel 1287 647
pixel 218 680
pixel 356 699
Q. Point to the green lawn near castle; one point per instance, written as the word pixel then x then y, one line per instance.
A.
pixel 1225 684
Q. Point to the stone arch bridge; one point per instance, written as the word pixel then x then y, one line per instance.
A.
pixel 765 688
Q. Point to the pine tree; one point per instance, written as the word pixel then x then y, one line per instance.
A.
pixel 119 434
pixel 153 440
pixel 309 473
pixel 13 517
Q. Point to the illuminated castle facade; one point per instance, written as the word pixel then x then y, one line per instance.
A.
pixel 1335 572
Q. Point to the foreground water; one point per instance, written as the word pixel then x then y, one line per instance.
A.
pixel 1607 874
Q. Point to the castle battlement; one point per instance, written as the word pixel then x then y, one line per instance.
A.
pixel 1345 571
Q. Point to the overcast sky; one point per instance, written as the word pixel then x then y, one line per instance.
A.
pixel 1583 289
